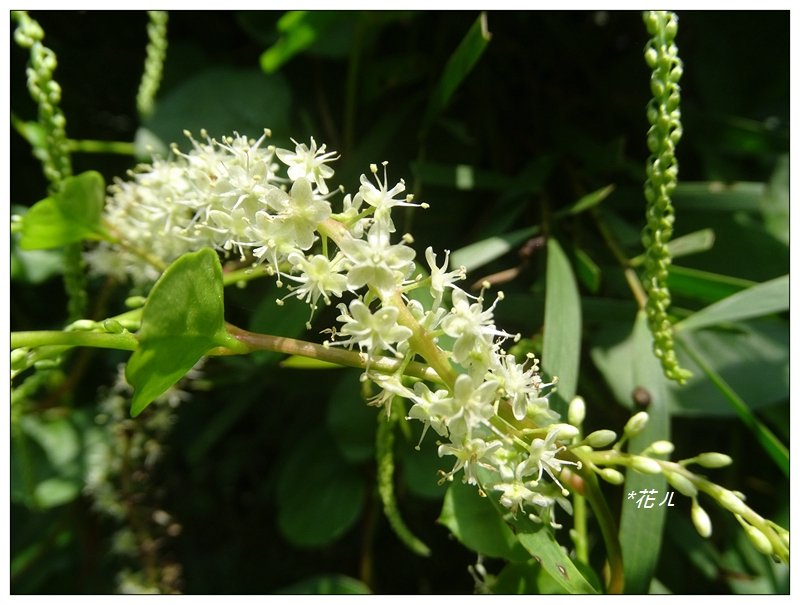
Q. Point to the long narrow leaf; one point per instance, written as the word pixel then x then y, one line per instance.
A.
pixel 771 444
pixel 765 298
pixel 458 67
pixel 641 529
pixel 562 320
pixel 485 251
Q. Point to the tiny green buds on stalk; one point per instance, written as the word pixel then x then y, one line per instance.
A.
pixel 663 113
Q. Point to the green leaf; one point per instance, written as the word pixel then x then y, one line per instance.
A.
pixel 485 251
pixel 771 444
pixel 458 67
pixel 587 270
pixel 760 346
pixel 691 243
pixel 476 523
pixel 590 200
pixel 299 362
pixel 546 550
pixel 704 285
pixel 775 203
pixel 223 100
pixel 561 348
pixel 718 196
pixel 350 420
pixel 300 30
pixel 762 299
pixel 641 529
pixel 71 215
pixel 182 320
pixel 320 496
pixel 327 584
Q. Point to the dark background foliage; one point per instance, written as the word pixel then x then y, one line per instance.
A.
pixel 553 110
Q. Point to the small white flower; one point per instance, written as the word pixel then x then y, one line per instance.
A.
pixel 543 458
pixel 469 455
pixel 440 280
pixel 319 277
pixel 378 263
pixel 308 163
pixel 381 197
pixel 372 332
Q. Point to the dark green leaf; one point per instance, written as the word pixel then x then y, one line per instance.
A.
pixel 458 67
pixel 587 270
pixel 350 420
pixel 561 348
pixel 222 101
pixel 70 216
pixel 719 196
pixel 299 30
pixel 590 200
pixel 641 529
pixel 320 495
pixel 182 320
pixel 703 285
pixel 328 584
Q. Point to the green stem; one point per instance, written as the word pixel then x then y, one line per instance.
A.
pixel 244 274
pixel 422 343
pixel 608 526
pixel 630 275
pixel 579 538
pixel 291 346
pixel 101 340
pixel 92 146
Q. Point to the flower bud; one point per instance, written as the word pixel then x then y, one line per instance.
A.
pixel 566 431
pixel 576 412
pixel 700 519
pixel 732 502
pixel 759 540
pixel 646 465
pixel 636 423
pixel 134 302
pixel 601 438
pixel 113 326
pixel 682 484
pixel 713 460
pixel 83 324
pixel 612 475
pixel 661 448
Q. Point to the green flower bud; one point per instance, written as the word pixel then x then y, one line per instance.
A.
pixel 758 539
pixel 113 326
pixel 566 431
pixel 701 521
pixel 601 438
pixel 83 325
pixel 732 502
pixel 713 460
pixel 576 412
pixel 636 424
pixel 611 475
pixel 661 448
pixel 683 484
pixel 134 302
pixel 646 465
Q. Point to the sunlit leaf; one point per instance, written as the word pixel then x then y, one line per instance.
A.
pixel 641 529
pixel 71 215
pixel 182 320
pixel 562 319
pixel 762 299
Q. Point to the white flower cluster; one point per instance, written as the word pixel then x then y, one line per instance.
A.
pixel 490 411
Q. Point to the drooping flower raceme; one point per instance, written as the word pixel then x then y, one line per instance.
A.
pixel 490 413
pixel 273 206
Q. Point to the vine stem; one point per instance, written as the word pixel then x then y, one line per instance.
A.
pixel 292 346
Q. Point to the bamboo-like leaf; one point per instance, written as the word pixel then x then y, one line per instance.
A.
pixel 704 285
pixel 771 444
pixel 769 297
pixel 458 67
pixel 562 322
pixel 641 529
pixel 485 251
